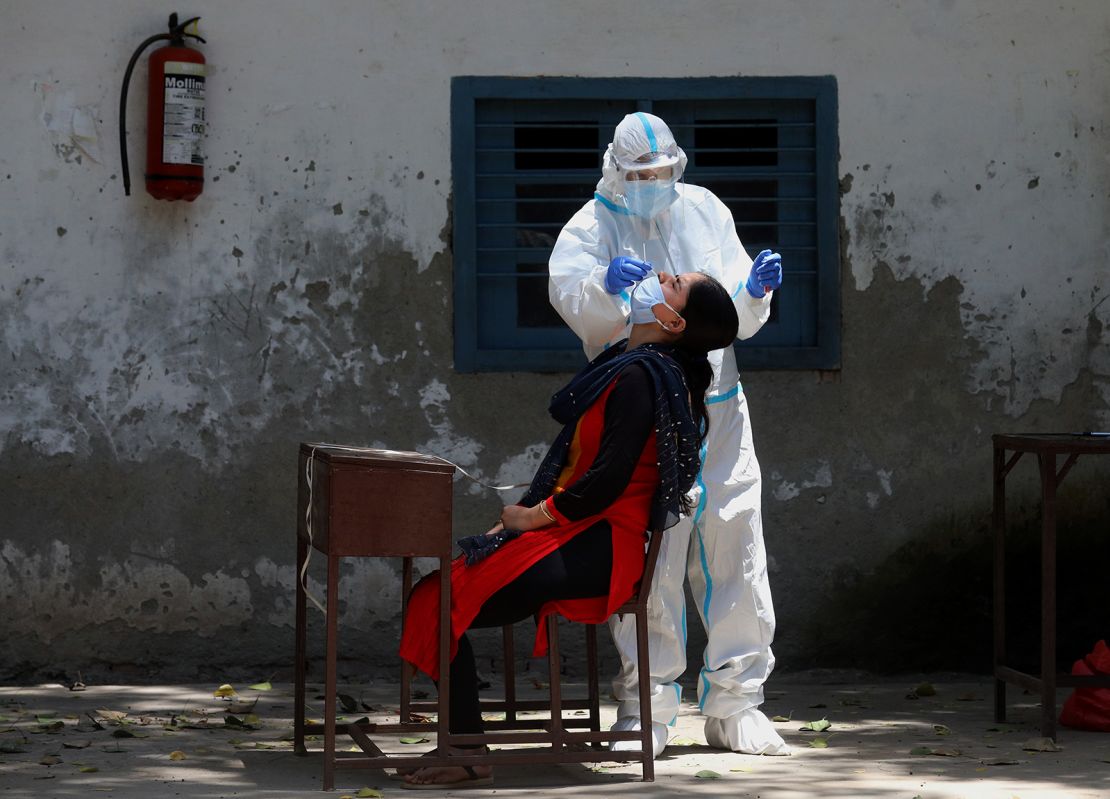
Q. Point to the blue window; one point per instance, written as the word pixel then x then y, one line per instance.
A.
pixel 526 154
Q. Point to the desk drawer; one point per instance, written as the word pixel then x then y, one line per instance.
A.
pixel 375 507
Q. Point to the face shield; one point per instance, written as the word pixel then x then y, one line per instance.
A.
pixel 647 164
pixel 648 187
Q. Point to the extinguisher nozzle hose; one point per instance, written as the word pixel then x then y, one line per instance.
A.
pixel 123 109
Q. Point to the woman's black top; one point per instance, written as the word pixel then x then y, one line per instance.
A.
pixel 629 416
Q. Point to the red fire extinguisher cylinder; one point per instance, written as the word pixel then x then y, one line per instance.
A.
pixel 175 124
pixel 176 119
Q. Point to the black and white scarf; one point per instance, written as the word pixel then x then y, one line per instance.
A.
pixel 676 435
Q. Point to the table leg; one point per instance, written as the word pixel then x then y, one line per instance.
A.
pixel 330 687
pixel 406 669
pixel 444 687
pixel 1048 595
pixel 299 653
pixel 998 531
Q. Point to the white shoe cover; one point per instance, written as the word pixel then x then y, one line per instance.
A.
pixel 748 731
pixel 627 723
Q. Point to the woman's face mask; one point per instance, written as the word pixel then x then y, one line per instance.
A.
pixel 645 296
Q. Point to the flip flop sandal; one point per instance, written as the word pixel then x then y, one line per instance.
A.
pixel 401 773
pixel 472 781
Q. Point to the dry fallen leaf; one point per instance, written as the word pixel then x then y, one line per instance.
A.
pixel 224 690
pixel 88 769
pixel 240 706
pixel 248 722
pixel 111 715
pixel 369 793
pixel 261 686
pixel 177 754
pixel 50 760
pixel 1040 745
pixel 940 729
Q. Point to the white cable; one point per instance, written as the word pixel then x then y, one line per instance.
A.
pixel 308 529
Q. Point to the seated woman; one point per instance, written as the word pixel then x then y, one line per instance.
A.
pixel 634 421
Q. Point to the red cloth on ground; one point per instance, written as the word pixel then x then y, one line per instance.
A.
pixel 471 586
pixel 1089 708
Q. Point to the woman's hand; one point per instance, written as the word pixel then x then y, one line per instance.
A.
pixel 518 517
pixel 497 528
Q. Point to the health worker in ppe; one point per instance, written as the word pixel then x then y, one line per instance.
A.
pixel 643 220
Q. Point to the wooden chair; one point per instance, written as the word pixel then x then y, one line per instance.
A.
pixel 563 743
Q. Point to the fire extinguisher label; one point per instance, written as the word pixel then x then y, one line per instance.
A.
pixel 183 114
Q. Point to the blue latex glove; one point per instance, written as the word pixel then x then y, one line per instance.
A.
pixel 625 270
pixel 766 274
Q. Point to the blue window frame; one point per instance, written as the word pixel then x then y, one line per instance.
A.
pixel 526 154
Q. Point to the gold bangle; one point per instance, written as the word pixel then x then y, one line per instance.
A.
pixel 545 511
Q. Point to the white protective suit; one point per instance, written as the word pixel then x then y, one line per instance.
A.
pixel 721 545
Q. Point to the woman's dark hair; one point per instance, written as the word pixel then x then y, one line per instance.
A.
pixel 711 324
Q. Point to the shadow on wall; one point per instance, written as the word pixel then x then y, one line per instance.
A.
pixel 929 606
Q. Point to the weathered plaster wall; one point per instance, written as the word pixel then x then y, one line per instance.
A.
pixel 160 362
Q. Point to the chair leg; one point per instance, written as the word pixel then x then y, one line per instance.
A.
pixel 554 683
pixel 594 699
pixel 643 674
pixel 509 655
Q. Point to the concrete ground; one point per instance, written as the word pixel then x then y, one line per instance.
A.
pixel 886 739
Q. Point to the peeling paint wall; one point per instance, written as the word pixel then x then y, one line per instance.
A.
pixel 162 361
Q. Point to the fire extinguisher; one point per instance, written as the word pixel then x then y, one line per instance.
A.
pixel 174 118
